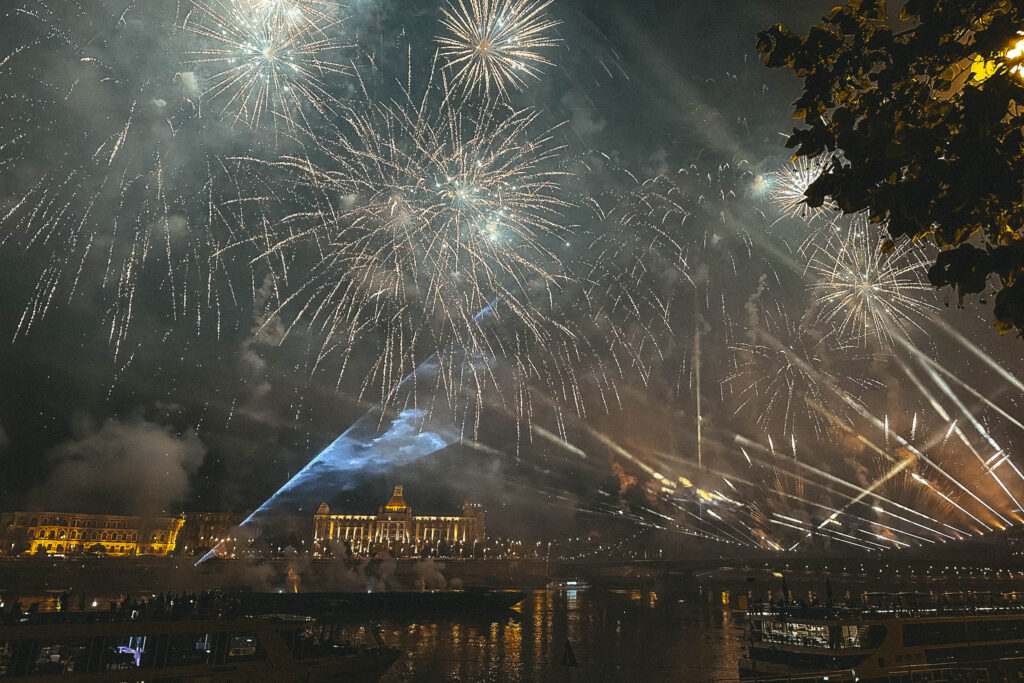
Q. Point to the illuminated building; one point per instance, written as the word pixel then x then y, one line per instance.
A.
pixel 205 530
pixel 395 525
pixel 68 533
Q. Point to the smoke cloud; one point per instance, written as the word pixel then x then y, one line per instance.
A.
pixel 267 331
pixel 129 467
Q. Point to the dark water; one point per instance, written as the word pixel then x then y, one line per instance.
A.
pixel 628 635
pixel 615 636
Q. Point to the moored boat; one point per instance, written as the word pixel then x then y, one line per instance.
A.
pixel 889 634
pixel 117 647
pixel 570 585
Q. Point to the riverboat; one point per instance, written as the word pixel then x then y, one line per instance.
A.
pixel 886 635
pixel 568 585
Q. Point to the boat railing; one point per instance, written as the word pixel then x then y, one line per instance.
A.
pixel 845 675
pixel 841 612
pixel 925 674
pixel 101 617
pixel 939 674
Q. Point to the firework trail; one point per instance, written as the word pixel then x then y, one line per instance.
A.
pixel 806 368
pixel 495 45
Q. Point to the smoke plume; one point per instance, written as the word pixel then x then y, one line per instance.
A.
pixel 127 467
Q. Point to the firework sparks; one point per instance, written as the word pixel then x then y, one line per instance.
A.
pixel 668 251
pixel 97 209
pixel 788 187
pixel 268 58
pixel 426 214
pixel 865 293
pixel 778 368
pixel 495 44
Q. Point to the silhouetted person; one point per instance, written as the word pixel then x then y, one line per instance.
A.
pixel 568 656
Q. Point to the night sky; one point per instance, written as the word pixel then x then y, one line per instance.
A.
pixel 197 403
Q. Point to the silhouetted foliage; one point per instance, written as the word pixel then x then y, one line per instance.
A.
pixel 924 110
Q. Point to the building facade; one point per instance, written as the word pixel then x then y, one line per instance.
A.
pixel 204 531
pixel 68 533
pixel 394 523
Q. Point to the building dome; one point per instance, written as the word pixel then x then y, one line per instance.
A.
pixel 397 502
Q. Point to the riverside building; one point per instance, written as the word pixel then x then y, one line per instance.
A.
pixel 395 527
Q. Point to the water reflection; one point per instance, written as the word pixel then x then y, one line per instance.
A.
pixel 615 635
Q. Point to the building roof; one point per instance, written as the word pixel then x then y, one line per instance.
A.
pixel 397 502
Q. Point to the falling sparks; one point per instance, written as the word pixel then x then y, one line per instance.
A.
pixel 119 201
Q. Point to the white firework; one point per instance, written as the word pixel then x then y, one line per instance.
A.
pixel 424 213
pixel 788 187
pixel 495 44
pixel 865 291
pixel 268 58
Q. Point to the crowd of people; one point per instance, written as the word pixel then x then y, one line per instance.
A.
pixel 203 604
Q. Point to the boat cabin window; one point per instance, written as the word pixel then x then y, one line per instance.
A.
pixel 951 632
pixel 188 649
pixel 244 645
pixel 832 636
pixel 848 635
pixel 795 633
pixel 58 657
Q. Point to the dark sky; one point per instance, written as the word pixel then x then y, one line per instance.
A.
pixel 188 407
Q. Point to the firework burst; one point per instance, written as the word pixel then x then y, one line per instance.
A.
pixel 495 45
pixel 866 292
pixel 783 374
pixel 788 187
pixel 425 214
pixel 779 367
pixel 268 58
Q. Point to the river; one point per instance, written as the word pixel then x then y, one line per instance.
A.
pixel 629 635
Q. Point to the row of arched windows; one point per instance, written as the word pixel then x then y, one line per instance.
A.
pixel 74 547
pixel 86 535
pixel 80 523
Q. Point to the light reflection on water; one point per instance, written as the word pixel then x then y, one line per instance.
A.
pixel 615 635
